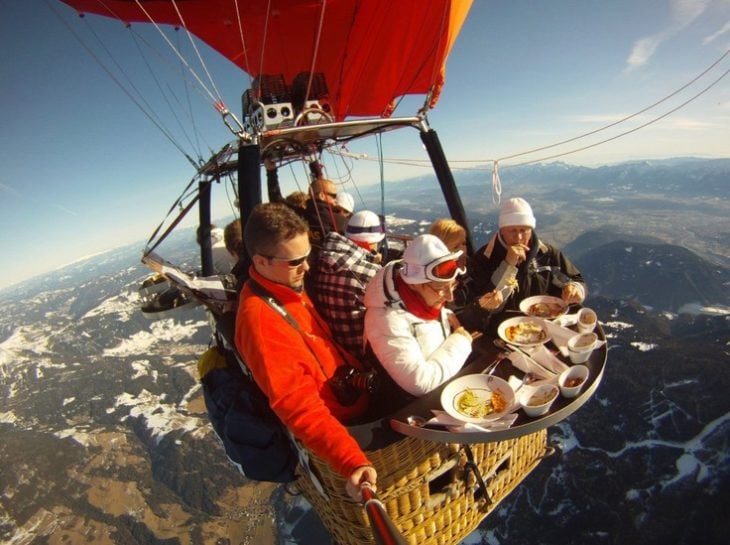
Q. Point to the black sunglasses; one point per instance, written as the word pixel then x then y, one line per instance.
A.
pixel 292 263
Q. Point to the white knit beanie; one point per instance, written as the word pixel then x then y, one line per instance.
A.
pixel 365 226
pixel 516 211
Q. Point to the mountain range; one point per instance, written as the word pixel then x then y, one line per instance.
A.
pixel 104 436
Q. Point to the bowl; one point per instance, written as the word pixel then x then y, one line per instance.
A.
pixel 525 331
pixel 537 401
pixel 580 347
pixel 543 306
pixel 480 405
pixel 587 320
pixel 572 380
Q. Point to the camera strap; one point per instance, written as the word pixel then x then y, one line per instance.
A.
pixel 264 294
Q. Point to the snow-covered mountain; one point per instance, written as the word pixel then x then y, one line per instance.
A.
pixel 104 437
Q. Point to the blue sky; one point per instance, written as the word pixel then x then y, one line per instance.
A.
pixel 83 170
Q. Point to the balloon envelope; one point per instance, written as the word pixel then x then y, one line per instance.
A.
pixel 369 51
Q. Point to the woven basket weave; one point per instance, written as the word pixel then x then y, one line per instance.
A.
pixel 426 488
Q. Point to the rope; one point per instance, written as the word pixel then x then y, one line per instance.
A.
pixel 315 52
pixel 164 96
pixel 263 42
pixel 623 119
pixel 101 64
pixel 682 105
pixel 177 53
pixel 496 185
pixel 189 105
pixel 197 52
pixel 243 42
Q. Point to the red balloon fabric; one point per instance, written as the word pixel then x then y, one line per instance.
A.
pixel 370 52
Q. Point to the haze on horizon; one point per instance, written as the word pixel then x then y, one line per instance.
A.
pixel 86 171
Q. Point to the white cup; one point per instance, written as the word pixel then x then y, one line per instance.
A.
pixel 587 320
pixel 580 347
pixel 568 380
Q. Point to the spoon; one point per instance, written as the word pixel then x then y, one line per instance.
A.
pixel 527 378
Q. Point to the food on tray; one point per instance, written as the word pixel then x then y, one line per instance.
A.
pixel 546 310
pixel 473 405
pixel 540 398
pixel 573 382
pixel 526 333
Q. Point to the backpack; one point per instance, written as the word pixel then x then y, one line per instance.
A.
pixel 253 436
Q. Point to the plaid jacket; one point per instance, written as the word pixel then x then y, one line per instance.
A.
pixel 339 278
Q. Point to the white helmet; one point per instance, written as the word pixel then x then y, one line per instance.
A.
pixel 365 226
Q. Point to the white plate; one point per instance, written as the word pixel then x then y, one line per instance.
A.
pixel 482 387
pixel 525 305
pixel 504 326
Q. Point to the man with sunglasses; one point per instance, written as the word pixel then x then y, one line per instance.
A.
pixel 321 211
pixel 323 214
pixel 289 348
pixel 415 338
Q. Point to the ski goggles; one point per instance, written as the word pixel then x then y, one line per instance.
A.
pixel 442 269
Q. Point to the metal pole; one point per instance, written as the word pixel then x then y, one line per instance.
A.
pixel 249 179
pixel 206 251
pixel 446 180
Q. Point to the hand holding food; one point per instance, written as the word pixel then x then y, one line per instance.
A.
pixel 453 321
pixel 491 300
pixel 516 254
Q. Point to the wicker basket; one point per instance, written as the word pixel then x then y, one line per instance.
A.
pixel 427 488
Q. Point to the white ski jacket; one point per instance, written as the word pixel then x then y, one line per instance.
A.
pixel 418 354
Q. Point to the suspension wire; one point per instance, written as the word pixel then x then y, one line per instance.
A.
pixel 126 77
pixel 185 76
pixel 296 178
pixel 178 54
pixel 188 84
pixel 175 204
pixel 109 73
pixel 682 105
pixel 265 37
pixel 495 168
pixel 197 52
pixel 315 51
pixel 243 44
pixel 379 144
pixel 232 202
pixel 164 95
pixel 693 80
pixel 189 104
pixel 349 165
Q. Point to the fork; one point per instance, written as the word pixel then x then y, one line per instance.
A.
pixel 489 369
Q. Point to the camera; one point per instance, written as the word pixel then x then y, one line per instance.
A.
pixel 348 384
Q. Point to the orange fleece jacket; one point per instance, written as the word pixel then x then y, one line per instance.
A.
pixel 287 372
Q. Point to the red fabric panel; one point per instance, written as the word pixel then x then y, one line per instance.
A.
pixel 371 51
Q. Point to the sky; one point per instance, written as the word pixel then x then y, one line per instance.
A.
pixel 84 169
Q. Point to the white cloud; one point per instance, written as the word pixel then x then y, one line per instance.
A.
pixel 716 35
pixel 683 13
pixel 9 189
pixel 64 209
pixel 686 11
pixel 642 51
